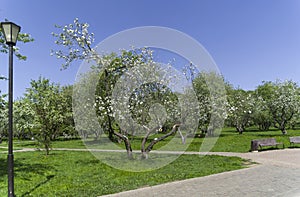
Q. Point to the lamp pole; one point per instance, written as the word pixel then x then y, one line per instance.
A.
pixel 10 31
pixel 10 157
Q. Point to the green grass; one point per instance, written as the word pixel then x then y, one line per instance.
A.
pixel 231 141
pixel 68 173
pixel 19 144
pixel 228 141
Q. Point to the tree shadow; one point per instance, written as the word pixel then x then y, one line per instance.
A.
pixel 293 146
pixel 87 162
pixel 3 167
pixel 29 144
pixel 97 142
pixel 269 148
pixel 271 135
pixel 24 170
pixel 48 178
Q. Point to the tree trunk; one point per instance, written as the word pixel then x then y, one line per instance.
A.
pixel 264 126
pixel 145 155
pixel 47 148
pixel 155 140
pixel 144 152
pixel 128 148
pixel 127 144
pixel 284 132
pixel 240 129
pixel 210 132
pixel 110 129
pixel 283 128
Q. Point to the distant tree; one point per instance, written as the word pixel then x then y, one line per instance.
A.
pixel 3 116
pixel 84 106
pixel 284 103
pixel 68 128
pixel 240 108
pixel 262 116
pixel 23 119
pixel 50 110
pixel 209 88
pixel 294 122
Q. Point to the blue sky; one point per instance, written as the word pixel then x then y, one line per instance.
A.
pixel 251 41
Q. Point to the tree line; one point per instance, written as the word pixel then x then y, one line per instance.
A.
pixel 45 111
pixel 99 103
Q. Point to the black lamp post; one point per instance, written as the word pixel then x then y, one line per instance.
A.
pixel 10 32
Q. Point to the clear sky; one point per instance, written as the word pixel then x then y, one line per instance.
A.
pixel 251 41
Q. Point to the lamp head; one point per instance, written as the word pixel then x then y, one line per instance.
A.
pixel 10 31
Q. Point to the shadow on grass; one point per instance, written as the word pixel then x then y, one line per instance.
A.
pixel 48 178
pixel 293 146
pixel 3 167
pixel 96 142
pixel 88 162
pixel 29 144
pixel 270 135
pixel 24 170
pixel 268 149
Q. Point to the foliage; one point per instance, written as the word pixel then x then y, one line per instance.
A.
pixel 51 110
pixel 261 114
pixel 22 37
pixel 110 100
pixel 23 119
pixel 210 91
pixel 77 41
pixel 68 128
pixel 84 106
pixel 3 116
pixel 284 103
pixel 114 67
pixel 240 108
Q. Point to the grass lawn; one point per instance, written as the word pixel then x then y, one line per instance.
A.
pixel 231 141
pixel 70 173
pixel 228 141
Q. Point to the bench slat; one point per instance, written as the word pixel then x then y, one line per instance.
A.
pixel 264 142
pixel 294 140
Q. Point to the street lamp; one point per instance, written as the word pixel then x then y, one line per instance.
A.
pixel 10 32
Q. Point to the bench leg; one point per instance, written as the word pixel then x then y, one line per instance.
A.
pixel 292 144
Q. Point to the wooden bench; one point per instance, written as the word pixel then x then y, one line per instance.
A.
pixel 294 140
pixel 255 144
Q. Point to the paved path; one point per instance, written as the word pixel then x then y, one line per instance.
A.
pixel 278 174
